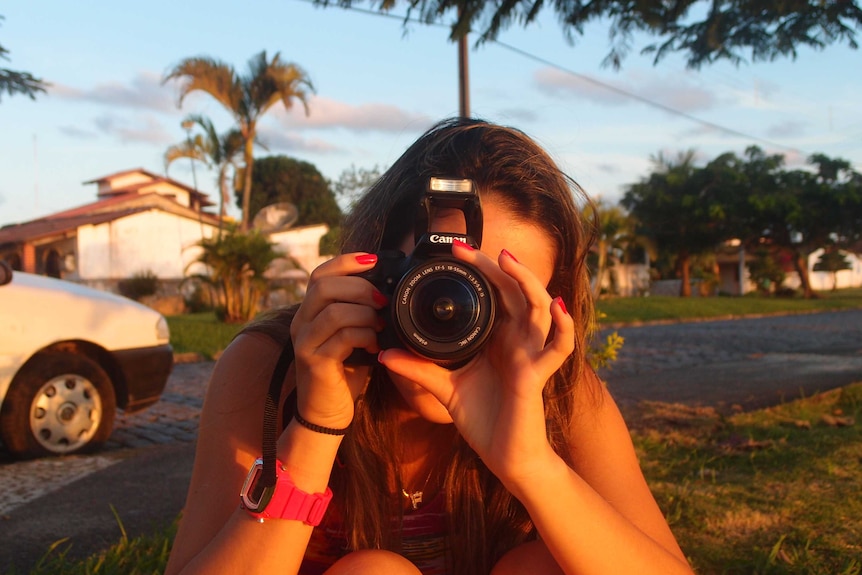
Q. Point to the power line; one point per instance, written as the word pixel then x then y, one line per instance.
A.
pixel 622 92
pixel 646 101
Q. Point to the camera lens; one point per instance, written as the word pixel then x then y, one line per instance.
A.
pixel 444 308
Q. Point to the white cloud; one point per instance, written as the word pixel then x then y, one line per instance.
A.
pixel 787 129
pixel 145 91
pixel 325 113
pixel 142 129
pixel 675 92
pixel 278 139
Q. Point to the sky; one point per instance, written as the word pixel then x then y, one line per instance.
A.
pixel 378 86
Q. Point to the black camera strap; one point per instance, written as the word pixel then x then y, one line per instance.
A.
pixel 270 415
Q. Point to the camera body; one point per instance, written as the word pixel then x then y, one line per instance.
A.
pixel 440 308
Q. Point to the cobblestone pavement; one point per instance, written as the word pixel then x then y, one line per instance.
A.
pixel 174 418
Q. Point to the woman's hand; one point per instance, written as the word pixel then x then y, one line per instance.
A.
pixel 337 315
pixel 496 400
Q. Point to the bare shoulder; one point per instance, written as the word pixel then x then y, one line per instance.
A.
pixel 241 375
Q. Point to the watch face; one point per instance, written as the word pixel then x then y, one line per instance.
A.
pixel 255 496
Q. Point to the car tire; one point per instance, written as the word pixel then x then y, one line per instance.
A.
pixel 58 404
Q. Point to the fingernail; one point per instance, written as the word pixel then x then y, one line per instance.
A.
pixel 380 356
pixel 366 259
pixel 508 254
pixel 379 298
pixel 559 301
pixel 459 243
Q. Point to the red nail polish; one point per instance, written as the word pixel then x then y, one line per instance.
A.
pixel 559 301
pixel 507 253
pixel 379 298
pixel 367 259
pixel 459 243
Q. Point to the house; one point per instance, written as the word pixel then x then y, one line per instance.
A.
pixel 140 222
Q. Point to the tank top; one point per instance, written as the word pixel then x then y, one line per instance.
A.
pixel 423 534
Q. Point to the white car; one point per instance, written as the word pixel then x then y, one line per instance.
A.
pixel 69 357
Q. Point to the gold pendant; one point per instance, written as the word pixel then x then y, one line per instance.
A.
pixel 415 498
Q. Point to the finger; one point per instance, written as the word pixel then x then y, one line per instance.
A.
pixel 339 289
pixel 344 341
pixel 509 293
pixel 312 336
pixel 563 343
pixel 345 264
pixel 535 294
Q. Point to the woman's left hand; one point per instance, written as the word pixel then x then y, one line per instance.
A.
pixel 496 400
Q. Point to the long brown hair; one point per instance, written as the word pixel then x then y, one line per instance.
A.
pixel 485 520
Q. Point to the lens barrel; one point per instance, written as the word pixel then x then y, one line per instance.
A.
pixel 443 310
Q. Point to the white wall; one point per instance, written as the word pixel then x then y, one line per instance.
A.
pixel 153 241
pixel 822 281
pixel 302 244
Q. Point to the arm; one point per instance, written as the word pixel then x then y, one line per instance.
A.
pixel 616 525
pixel 215 535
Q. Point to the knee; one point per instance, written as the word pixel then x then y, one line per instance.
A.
pixel 373 561
pixel 532 557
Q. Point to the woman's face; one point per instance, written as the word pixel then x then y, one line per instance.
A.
pixel 502 230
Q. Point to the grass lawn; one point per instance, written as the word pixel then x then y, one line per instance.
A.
pixel 665 308
pixel 772 492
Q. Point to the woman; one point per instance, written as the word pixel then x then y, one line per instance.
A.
pixel 516 462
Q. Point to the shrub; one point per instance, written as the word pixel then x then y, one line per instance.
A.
pixel 139 286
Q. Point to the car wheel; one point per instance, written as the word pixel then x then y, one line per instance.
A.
pixel 58 404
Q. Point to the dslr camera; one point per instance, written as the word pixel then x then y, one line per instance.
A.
pixel 440 308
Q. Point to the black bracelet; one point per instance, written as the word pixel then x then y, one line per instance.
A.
pixel 318 428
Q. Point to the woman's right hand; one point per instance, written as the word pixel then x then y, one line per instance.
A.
pixel 337 315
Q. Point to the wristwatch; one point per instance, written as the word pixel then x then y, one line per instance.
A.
pixel 283 501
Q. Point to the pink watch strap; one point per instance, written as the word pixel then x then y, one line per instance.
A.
pixel 286 501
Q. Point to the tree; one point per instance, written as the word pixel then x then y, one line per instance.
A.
pixel 766 273
pixel 682 208
pixel 704 30
pixel 285 179
pixel 353 182
pixel 14 82
pixel 215 150
pixel 798 211
pixel 235 263
pixel 615 237
pixel 246 97
pixel 832 261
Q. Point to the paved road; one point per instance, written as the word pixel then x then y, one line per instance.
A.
pixel 143 472
pixel 751 362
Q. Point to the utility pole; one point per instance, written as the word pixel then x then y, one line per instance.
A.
pixel 463 75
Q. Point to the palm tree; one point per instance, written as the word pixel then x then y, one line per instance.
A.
pixel 616 234
pixel 246 97
pixel 213 149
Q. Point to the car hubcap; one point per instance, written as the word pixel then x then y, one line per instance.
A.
pixel 65 413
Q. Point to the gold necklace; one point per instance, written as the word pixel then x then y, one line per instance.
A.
pixel 415 497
